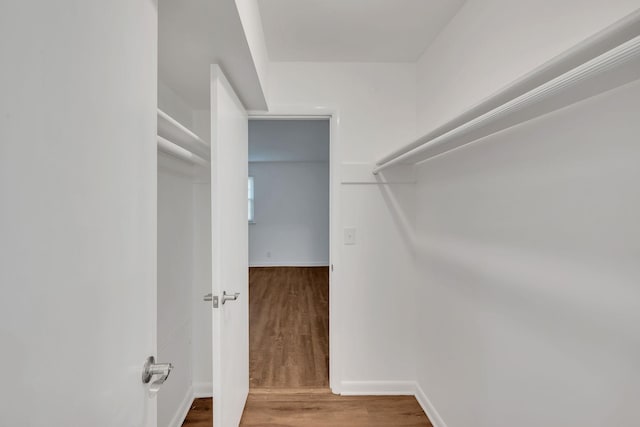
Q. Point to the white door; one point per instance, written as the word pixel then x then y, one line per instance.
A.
pixel 229 173
pixel 77 212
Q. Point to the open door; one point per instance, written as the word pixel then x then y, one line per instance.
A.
pixel 229 228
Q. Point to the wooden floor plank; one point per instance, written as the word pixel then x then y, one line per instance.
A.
pixel 200 414
pixel 289 327
pixel 318 410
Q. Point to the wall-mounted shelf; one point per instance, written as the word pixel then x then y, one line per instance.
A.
pixel 607 60
pixel 178 141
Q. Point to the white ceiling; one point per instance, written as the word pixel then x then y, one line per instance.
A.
pixel 353 30
pixel 289 140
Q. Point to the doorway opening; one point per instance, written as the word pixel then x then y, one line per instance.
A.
pixel 289 253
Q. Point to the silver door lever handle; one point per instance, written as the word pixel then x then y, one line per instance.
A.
pixel 229 297
pixel 213 298
pixel 152 368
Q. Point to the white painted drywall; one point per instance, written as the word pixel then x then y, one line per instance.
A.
pixel 199 217
pixel 528 290
pixel 202 356
pixel 376 106
pixel 291 214
pixel 527 296
pixel 176 252
pixel 78 217
pixel 201 120
pixel 491 43
pixel 202 331
pixel 172 104
pixel 184 269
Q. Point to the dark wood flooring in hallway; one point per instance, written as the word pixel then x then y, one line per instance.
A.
pixel 289 327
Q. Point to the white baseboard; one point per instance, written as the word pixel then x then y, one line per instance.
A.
pixel 393 388
pixel 289 264
pixel 378 388
pixel 428 407
pixel 183 409
pixel 202 390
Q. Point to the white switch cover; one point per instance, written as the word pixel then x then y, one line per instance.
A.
pixel 350 236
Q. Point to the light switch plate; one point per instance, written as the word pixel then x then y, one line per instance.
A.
pixel 350 236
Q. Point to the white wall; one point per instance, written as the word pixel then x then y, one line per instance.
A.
pixel 78 221
pixel 490 43
pixel 184 269
pixel 528 247
pixel 526 242
pixel 376 105
pixel 172 104
pixel 176 215
pixel 291 214
pixel 202 124
pixel 202 330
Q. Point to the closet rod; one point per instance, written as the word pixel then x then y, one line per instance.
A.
pixel 610 47
pixel 174 150
pixel 174 131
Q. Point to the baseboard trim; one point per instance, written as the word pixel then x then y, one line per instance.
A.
pixel 393 388
pixel 378 388
pixel 202 390
pixel 183 409
pixel 289 264
pixel 428 407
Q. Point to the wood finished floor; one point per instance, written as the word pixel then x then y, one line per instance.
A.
pixel 318 410
pixel 289 327
pixel 200 414
pixel 289 361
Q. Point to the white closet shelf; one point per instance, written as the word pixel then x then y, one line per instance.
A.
pixel 609 59
pixel 172 131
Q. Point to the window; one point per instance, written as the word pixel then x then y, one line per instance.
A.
pixel 251 212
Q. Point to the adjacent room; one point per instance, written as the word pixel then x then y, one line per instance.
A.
pixel 289 253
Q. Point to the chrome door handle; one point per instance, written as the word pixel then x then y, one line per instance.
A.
pixel 152 368
pixel 229 297
pixel 211 297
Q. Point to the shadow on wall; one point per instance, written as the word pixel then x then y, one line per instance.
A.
pixel 401 206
